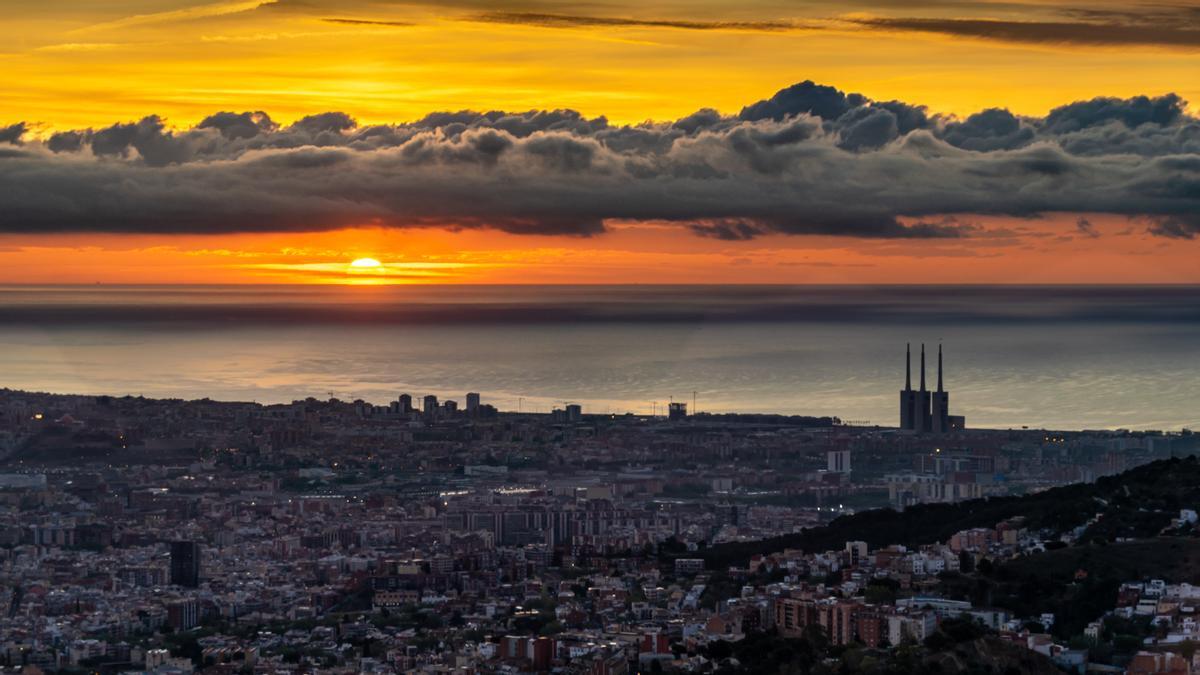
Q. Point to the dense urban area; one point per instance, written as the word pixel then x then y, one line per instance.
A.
pixel 425 536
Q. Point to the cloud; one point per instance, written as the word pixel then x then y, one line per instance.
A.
pixel 810 160
pixel 1180 226
pixel 185 14
pixel 12 133
pixel 1085 227
pixel 1046 32
pixel 370 22
pixel 585 21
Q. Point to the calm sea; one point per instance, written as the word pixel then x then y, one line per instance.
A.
pixel 1058 357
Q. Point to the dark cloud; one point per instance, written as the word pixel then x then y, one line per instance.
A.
pixel 728 230
pixel 868 127
pixel 1157 14
pixel 1046 32
pixel 12 134
pixel 1085 227
pixel 1181 226
pixel 67 141
pixel 1131 112
pixel 584 21
pixel 992 129
pixel 239 125
pixel 808 98
pixel 330 122
pixel 810 160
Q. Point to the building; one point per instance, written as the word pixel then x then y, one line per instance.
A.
pixel 793 615
pixel 472 403
pixel 185 564
pixel 183 614
pixel 857 551
pixel 839 461
pixel 429 407
pixel 405 404
pixel 676 411
pixel 923 411
pixel 574 412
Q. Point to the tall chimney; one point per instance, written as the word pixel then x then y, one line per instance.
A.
pixel 939 367
pixel 922 366
pixel 908 367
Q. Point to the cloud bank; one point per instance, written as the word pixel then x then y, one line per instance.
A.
pixel 809 160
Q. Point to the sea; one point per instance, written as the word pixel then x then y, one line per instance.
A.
pixel 1056 357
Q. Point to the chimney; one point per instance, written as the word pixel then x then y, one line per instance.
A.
pixel 908 367
pixel 922 366
pixel 939 368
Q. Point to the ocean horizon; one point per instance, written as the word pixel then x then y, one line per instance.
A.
pixel 1060 357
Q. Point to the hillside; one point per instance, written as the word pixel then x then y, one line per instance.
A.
pixel 1138 503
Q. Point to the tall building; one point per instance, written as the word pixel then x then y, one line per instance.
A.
pixel 185 563
pixel 838 461
pixel 472 403
pixel 923 411
pixel 429 406
pixel 405 402
pixel 677 411
pixel 183 614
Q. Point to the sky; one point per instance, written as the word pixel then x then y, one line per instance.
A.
pixel 662 141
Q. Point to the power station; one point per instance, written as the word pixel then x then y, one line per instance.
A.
pixel 923 411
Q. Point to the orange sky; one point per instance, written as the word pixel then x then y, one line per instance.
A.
pixel 1046 251
pixel 78 63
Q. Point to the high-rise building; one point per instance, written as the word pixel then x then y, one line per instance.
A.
pixel 405 401
pixel 574 412
pixel 676 411
pixel 472 403
pixel 185 563
pixel 183 614
pixel 429 407
pixel 838 461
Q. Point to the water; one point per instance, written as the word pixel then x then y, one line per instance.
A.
pixel 1057 357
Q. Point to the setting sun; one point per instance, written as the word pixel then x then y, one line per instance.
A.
pixel 365 263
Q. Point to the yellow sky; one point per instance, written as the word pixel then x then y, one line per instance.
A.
pixel 83 63
pixel 79 63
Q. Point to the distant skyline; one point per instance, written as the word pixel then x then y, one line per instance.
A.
pixel 1059 358
pixel 862 142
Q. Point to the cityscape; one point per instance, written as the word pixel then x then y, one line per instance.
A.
pixel 174 536
pixel 534 337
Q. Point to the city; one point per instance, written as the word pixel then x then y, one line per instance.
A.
pixel 171 536
pixel 626 337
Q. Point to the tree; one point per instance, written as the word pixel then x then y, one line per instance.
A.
pixel 719 650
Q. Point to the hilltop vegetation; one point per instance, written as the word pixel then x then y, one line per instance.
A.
pixel 1077 584
pixel 1138 503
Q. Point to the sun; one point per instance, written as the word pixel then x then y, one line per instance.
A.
pixel 365 263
